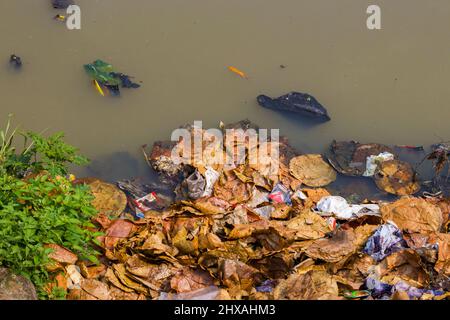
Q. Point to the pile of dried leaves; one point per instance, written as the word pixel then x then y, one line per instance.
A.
pixel 246 233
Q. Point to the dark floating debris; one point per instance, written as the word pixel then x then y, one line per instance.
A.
pixel 412 148
pixel 296 102
pixel 15 61
pixel 351 157
pixel 105 79
pixel 126 82
pixel 62 4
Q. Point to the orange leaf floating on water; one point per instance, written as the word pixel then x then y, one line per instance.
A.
pixel 238 72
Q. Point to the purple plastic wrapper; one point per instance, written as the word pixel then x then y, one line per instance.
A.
pixel 414 292
pixel 378 288
pixel 266 286
pixel 387 239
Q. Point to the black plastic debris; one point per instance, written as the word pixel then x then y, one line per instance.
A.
pixel 296 102
pixel 125 79
pixel 15 61
pixel 143 197
pixel 62 4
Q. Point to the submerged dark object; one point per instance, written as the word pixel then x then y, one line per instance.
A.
pixel 15 61
pixel 125 79
pixel 62 4
pixel 350 157
pixel 296 102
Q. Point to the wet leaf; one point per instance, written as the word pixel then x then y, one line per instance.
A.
pixel 308 226
pixel 109 199
pixel 342 244
pixel 187 280
pixel 396 177
pixel 313 285
pixel 312 170
pixel 413 214
pixel 96 289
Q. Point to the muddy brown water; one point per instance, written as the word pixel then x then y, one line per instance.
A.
pixel 389 86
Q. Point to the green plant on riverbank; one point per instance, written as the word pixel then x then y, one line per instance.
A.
pixel 38 205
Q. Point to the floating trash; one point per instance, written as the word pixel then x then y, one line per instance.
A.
pixel 106 80
pixel 15 61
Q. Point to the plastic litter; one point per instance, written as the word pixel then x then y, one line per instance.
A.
pixel 266 286
pixel 378 289
pixel 60 17
pixel 62 4
pixel 211 176
pixel 296 102
pixel 280 194
pixel 195 185
pixel 386 240
pixel 356 294
pixel 413 292
pixel 141 198
pixel 246 234
pixel 413 148
pixel 15 61
pixel 341 209
pixel 373 162
pixel 238 72
pixel 350 157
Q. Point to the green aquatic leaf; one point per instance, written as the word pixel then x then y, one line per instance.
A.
pixel 102 72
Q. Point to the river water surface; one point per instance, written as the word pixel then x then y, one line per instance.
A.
pixel 389 86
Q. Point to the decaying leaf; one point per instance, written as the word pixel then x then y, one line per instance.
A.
pixel 396 177
pixel 404 265
pixel 312 170
pixel 237 275
pixel 118 229
pixel 208 293
pixel 187 280
pixel 443 261
pixel 342 244
pixel 413 214
pixel 96 289
pixel 61 255
pixel 313 285
pixel 109 199
pixel 261 234
pixel 308 226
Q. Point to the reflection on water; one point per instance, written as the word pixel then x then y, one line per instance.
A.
pixel 388 86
